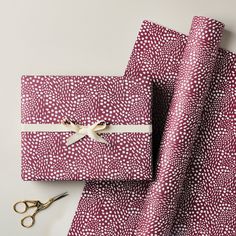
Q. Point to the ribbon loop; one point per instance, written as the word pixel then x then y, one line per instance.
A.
pixel 82 131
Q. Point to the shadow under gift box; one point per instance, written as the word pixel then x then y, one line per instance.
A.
pixel 47 100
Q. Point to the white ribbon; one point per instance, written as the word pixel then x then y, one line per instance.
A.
pixel 82 131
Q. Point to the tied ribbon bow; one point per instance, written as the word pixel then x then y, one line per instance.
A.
pixel 82 131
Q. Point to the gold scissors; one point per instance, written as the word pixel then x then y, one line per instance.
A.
pixel 23 206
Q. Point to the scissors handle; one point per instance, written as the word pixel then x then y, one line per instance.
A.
pixel 22 206
pixel 19 210
pixel 28 221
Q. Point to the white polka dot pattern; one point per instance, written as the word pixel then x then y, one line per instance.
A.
pixel 85 100
pixel 194 192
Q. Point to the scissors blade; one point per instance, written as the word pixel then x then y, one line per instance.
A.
pixel 59 196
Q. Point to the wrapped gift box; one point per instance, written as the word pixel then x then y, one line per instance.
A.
pixel 86 128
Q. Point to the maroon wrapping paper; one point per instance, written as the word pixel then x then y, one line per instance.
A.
pixel 86 100
pixel 194 191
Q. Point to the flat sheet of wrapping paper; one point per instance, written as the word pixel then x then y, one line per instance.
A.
pixel 86 100
pixel 194 192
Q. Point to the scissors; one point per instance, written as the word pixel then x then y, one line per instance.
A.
pixel 23 206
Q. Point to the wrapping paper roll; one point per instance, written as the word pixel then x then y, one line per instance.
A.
pixel 194 191
pixel 192 83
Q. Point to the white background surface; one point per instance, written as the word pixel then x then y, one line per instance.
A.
pixel 72 37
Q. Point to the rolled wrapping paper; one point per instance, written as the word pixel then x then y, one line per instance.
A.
pixel 191 88
pixel 207 201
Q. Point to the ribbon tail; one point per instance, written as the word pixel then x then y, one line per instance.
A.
pixel 97 138
pixel 74 138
